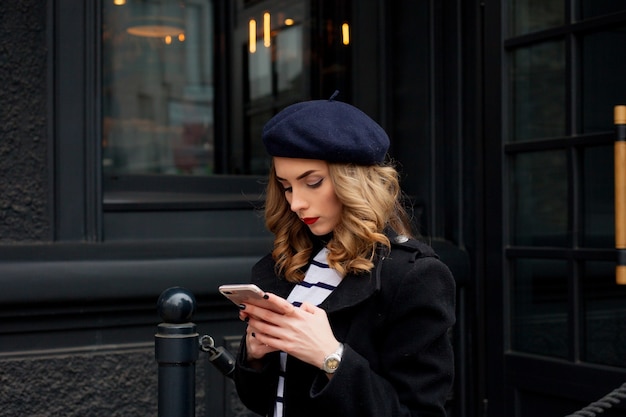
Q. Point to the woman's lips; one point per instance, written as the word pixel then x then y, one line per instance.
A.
pixel 309 220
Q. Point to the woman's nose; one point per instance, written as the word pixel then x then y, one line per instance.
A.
pixel 298 202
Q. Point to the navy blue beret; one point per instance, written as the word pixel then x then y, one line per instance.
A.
pixel 328 130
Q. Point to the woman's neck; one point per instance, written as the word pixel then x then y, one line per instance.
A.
pixel 319 241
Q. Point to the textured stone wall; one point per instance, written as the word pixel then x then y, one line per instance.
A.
pixel 109 384
pixel 80 385
pixel 24 181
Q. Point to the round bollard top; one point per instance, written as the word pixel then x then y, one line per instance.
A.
pixel 176 305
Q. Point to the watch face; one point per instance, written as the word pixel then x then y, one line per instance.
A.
pixel 332 363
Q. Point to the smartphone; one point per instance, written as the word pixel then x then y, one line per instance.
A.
pixel 240 293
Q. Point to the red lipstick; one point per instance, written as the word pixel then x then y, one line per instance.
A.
pixel 310 220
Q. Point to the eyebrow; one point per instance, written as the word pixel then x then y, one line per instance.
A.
pixel 305 174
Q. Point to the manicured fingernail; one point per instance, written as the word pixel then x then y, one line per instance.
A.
pixel 247 319
pixel 242 306
pixel 253 335
pixel 266 296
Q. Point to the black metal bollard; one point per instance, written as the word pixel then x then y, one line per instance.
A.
pixel 176 351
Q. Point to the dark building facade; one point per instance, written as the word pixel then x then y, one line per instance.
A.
pixel 130 162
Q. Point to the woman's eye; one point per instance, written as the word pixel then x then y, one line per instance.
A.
pixel 288 189
pixel 316 183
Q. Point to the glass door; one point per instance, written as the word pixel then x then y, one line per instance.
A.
pixel 564 316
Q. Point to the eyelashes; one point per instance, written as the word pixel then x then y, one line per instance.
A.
pixel 314 185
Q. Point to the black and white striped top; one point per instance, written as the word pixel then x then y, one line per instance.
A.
pixel 320 280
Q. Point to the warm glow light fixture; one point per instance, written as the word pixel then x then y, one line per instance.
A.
pixel 267 30
pixel 252 36
pixel 289 22
pixel 119 2
pixel 345 34
pixel 156 27
pixel 156 19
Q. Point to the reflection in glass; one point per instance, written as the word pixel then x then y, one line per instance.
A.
pixel 259 162
pixel 538 91
pixel 157 84
pixel 276 67
pixel 260 73
pixel 289 60
pixel 539 196
pixel 593 8
pixel 603 81
pixel 286 52
pixel 598 197
pixel 539 307
pixel 604 304
pixel 533 15
pixel 274 73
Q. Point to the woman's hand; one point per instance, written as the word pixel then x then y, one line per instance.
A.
pixel 255 349
pixel 275 324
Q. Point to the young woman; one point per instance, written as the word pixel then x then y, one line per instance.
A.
pixel 357 313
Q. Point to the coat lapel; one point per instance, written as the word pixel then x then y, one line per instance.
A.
pixel 353 289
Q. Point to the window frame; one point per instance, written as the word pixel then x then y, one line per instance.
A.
pixel 167 193
pixel 81 196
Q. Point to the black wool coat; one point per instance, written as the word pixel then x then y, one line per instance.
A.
pixel 394 323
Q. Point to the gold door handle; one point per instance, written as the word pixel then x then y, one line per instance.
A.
pixel 620 193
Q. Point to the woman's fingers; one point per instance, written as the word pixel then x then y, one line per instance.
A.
pixel 309 308
pixel 273 303
pixel 303 332
pixel 264 314
pixel 255 346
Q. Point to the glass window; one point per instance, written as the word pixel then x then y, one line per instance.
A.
pixel 598 197
pixel 604 315
pixel 539 199
pixel 533 15
pixel 593 8
pixel 275 62
pixel 276 47
pixel 538 91
pixel 259 73
pixel 187 86
pixel 539 307
pixel 259 161
pixel 286 52
pixel 603 81
pixel 157 86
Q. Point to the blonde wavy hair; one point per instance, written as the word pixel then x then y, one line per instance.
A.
pixel 371 199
